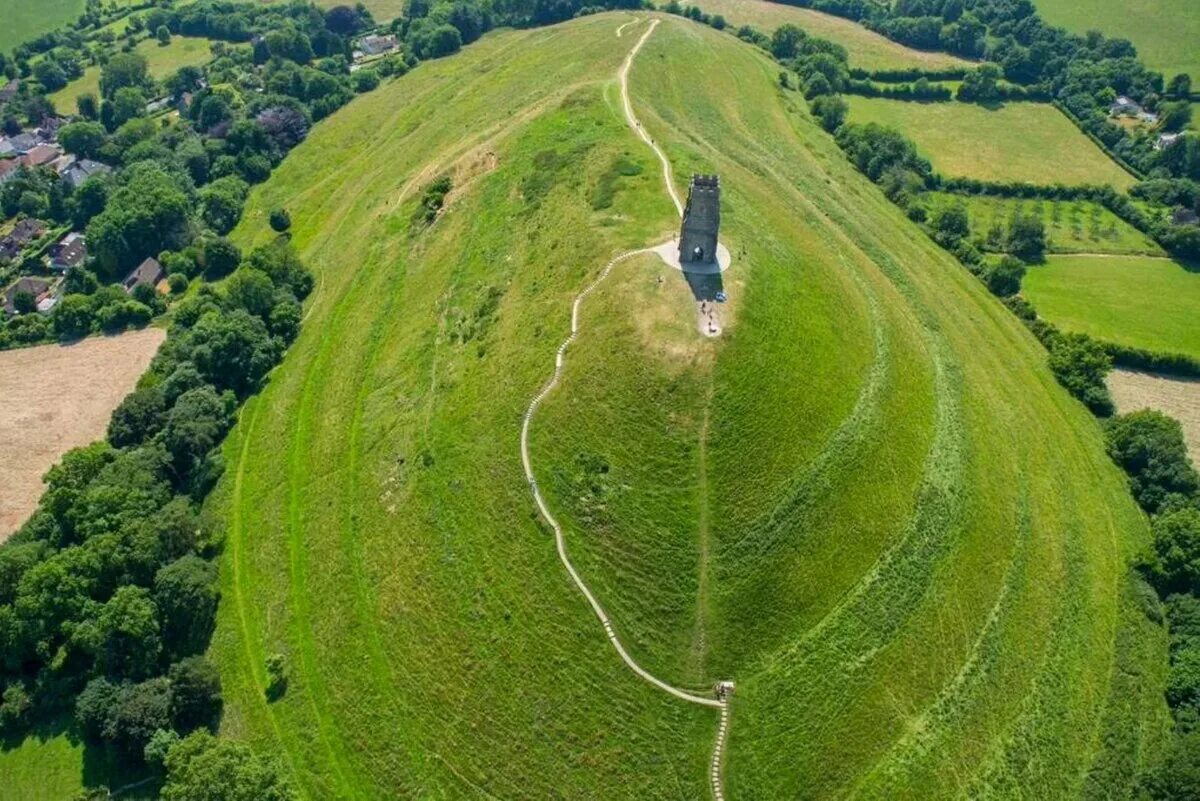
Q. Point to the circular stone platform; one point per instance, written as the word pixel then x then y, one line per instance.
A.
pixel 669 252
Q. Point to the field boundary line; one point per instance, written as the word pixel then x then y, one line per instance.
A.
pixel 722 689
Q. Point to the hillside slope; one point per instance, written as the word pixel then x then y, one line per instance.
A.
pixel 867 502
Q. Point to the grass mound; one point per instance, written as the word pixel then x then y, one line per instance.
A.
pixel 868 502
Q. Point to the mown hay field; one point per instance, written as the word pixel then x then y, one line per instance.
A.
pixel 868 502
pixel 1139 301
pixel 161 60
pixel 868 50
pixel 1165 32
pixel 1031 142
pixel 1072 226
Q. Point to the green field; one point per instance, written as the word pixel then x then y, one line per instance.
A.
pixel 23 20
pixel 1139 301
pixel 1072 226
pixel 1165 32
pixel 162 61
pixel 867 49
pixel 1030 142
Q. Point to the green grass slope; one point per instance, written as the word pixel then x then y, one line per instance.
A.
pixel 24 20
pixel 161 61
pixel 1133 300
pixel 1164 31
pixel 868 502
pixel 1013 142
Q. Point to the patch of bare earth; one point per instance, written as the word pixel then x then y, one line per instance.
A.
pixel 1178 397
pixel 54 398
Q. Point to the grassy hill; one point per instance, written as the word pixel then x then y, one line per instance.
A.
pixel 867 49
pixel 1164 31
pixel 868 502
pixel 1014 142
pixel 1133 300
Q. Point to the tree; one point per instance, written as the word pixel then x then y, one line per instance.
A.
pixel 276 677
pixel 1149 446
pixel 194 426
pixel 232 350
pixel 220 257
pixel 951 224
pixel 1080 364
pixel 1174 565
pixel 124 70
pixel 365 80
pixel 280 220
pixel 1027 237
pixel 127 634
pixel 1180 86
pixel 1004 278
pixel 342 20
pixel 1175 116
pixel 196 694
pixel 49 74
pixel 163 34
pixel 72 317
pixel 14 706
pixel 831 110
pixel 221 203
pixel 138 417
pixel 84 139
pixel 128 103
pixel 142 710
pixel 147 213
pixel 201 767
pixel 435 41
pixel 785 41
pixel 185 592
pixel 1177 778
pixel 981 84
pixel 24 302
pixel 87 106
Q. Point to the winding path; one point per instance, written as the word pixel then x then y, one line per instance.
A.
pixel 723 689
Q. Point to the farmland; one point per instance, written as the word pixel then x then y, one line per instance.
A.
pixel 161 60
pixel 1014 142
pixel 57 398
pixel 1072 226
pixel 868 50
pixel 868 503
pixel 24 20
pixel 1178 397
pixel 1132 300
pixel 1165 32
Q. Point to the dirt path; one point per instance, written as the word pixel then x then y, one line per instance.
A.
pixel 56 398
pixel 724 689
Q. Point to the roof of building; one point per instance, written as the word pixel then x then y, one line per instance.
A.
pixel 38 287
pixel 8 167
pixel 41 154
pixel 70 251
pixel 1185 216
pixel 149 272
pixel 83 169
pixel 23 142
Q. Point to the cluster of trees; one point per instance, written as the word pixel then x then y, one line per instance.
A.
pixel 108 592
pixel 1150 448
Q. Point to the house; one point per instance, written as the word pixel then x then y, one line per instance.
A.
pixel 148 273
pixel 1124 107
pixel 1148 117
pixel 6 148
pixel 62 163
pixel 374 45
pixel 8 168
pixel 1165 140
pixel 22 143
pixel 83 169
pixel 68 252
pixel 39 288
pixel 22 234
pixel 48 130
pixel 1185 216
pixel 41 155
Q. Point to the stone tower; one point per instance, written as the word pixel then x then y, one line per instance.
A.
pixel 701 221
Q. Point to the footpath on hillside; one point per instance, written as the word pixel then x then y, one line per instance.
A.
pixel 723 690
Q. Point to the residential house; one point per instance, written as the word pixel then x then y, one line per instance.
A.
pixel 22 234
pixel 1165 140
pixel 48 130
pixel 83 169
pixel 148 273
pixel 8 169
pixel 41 155
pixel 375 45
pixel 68 252
pixel 23 142
pixel 1185 216
pixel 7 150
pixel 39 288
pixel 62 163
pixel 1124 107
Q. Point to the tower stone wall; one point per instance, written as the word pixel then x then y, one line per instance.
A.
pixel 701 221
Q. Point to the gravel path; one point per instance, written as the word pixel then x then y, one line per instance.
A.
pixel 723 689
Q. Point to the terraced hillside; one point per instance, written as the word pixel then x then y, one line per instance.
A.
pixel 867 502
